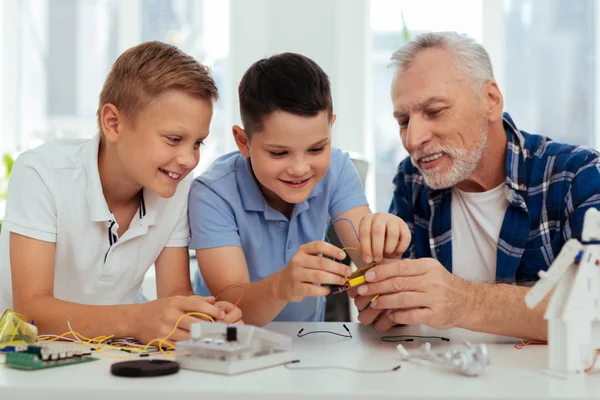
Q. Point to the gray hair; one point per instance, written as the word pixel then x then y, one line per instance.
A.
pixel 471 58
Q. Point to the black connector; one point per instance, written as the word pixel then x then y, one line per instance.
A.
pixel 232 334
pixel 347 330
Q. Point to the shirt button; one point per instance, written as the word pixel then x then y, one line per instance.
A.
pixel 289 246
pixel 281 224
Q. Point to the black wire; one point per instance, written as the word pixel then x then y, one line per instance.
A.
pixel 410 338
pixel 365 371
pixel 349 335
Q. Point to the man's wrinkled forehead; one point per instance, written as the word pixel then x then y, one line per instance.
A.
pixel 408 97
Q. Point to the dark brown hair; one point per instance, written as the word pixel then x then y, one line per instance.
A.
pixel 288 82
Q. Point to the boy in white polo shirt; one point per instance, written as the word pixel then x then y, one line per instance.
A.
pixel 85 219
pixel 257 216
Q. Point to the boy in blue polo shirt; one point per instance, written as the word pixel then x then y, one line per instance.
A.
pixel 257 215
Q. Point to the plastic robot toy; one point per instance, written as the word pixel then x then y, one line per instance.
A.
pixel 573 312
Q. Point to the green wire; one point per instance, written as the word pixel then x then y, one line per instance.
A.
pixel 410 338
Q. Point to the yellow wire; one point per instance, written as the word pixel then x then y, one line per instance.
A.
pixel 161 340
pixel 44 338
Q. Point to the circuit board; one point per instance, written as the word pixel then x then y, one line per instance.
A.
pixel 40 357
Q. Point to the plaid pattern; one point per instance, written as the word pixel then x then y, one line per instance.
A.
pixel 549 186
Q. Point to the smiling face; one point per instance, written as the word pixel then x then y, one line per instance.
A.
pixel 289 156
pixel 162 146
pixel 443 124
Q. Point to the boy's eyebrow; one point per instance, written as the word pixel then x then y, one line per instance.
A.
pixel 181 132
pixel 319 143
pixel 425 103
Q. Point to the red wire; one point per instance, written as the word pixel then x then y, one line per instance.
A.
pixel 228 288
pixel 530 343
pixel 591 367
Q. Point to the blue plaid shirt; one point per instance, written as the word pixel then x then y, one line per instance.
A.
pixel 549 186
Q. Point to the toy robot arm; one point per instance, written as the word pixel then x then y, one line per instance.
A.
pixel 591 225
pixel 549 279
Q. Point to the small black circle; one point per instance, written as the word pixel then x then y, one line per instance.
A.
pixel 144 368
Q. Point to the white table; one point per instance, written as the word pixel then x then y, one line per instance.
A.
pixel 514 374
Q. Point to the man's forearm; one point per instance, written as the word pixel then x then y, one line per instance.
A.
pixel 500 309
pixel 51 316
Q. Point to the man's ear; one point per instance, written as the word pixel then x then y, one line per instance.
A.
pixel 333 117
pixel 111 120
pixel 494 102
pixel 241 140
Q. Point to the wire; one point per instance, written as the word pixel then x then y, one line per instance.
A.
pixel 529 343
pixel 347 248
pixel 121 344
pixel 336 221
pixel 365 371
pixel 43 338
pixel 349 335
pixel 410 338
pixel 369 304
pixel 228 288
pixel 166 338
pixel 593 364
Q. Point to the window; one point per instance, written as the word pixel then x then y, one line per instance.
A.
pixel 464 16
pixel 549 61
pixel 54 68
pixel 543 54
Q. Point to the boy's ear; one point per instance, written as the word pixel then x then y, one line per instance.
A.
pixel 241 140
pixel 110 119
pixel 333 117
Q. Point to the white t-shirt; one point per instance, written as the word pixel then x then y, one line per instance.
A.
pixel 55 195
pixel 476 222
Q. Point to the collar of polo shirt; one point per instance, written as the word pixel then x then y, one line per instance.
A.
pixel 98 208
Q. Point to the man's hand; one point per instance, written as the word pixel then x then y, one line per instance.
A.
pixel 368 315
pixel 156 319
pixel 418 291
pixel 306 269
pixel 382 235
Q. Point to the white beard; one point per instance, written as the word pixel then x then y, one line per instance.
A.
pixel 463 163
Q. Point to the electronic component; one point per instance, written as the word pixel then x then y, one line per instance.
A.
pixel 15 330
pixel 40 357
pixel 469 360
pixel 356 278
pixel 233 349
pixel 231 334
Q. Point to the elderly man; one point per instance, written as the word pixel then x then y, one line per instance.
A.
pixel 487 205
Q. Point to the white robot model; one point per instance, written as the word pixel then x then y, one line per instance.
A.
pixel 573 312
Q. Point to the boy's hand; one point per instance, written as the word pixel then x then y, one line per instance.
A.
pixel 382 235
pixel 306 269
pixel 156 319
pixel 233 315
